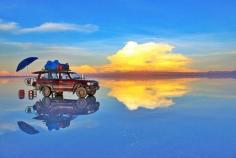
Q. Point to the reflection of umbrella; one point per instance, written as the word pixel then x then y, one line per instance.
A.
pixel 27 128
pixel 25 63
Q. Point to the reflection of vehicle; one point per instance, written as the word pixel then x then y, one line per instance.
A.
pixel 58 112
pixel 59 81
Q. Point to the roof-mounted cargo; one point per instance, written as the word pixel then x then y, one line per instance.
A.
pixel 56 66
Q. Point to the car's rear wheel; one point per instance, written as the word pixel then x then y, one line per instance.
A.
pixel 46 91
pixel 47 101
pixel 81 92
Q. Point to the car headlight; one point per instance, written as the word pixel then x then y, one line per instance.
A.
pixel 90 83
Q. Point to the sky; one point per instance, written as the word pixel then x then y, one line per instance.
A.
pixel 102 35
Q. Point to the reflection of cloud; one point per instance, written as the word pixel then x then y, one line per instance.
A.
pixel 7 127
pixel 214 88
pixel 144 57
pixel 4 81
pixel 84 124
pixel 148 94
pixel 11 126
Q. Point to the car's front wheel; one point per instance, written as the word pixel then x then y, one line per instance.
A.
pixel 46 91
pixel 81 92
pixel 91 92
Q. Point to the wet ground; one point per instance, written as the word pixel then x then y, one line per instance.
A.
pixel 126 118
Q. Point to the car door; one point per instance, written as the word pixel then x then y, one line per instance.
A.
pixel 66 82
pixel 54 79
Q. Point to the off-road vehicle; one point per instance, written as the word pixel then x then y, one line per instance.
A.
pixel 49 82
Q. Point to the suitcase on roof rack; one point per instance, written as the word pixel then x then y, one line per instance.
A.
pixel 63 67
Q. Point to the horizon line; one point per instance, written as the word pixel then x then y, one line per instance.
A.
pixel 151 74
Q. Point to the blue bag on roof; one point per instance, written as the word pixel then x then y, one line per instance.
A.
pixel 51 65
pixel 55 65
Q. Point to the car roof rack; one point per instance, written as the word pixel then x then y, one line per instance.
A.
pixel 46 71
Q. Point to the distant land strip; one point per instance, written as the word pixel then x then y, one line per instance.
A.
pixel 154 75
pixel 163 75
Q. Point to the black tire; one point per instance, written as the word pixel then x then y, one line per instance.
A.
pixel 81 92
pixel 46 101
pixel 92 92
pixel 46 91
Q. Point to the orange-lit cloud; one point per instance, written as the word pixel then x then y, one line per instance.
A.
pixel 149 56
pixel 149 94
pixel 4 73
pixel 4 81
pixel 84 69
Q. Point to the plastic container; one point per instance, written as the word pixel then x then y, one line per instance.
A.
pixel 31 94
pixel 21 94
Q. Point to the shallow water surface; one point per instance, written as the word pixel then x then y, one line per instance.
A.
pixel 126 118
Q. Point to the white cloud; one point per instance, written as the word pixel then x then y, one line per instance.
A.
pixel 54 27
pixel 47 27
pixel 7 26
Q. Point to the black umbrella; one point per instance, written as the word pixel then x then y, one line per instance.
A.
pixel 25 63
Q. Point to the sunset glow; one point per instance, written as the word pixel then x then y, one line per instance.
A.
pixel 149 56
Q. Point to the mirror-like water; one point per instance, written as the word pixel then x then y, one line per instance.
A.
pixel 126 118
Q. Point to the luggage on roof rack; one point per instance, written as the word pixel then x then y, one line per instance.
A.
pixel 56 66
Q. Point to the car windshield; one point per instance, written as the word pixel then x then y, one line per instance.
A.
pixel 74 75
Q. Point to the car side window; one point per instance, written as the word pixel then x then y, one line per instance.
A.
pixel 49 76
pixel 65 76
pixel 44 76
pixel 54 75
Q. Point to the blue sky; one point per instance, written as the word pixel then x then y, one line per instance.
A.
pixel 102 27
pixel 122 17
